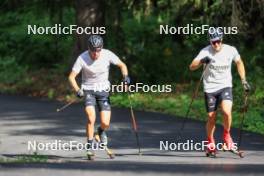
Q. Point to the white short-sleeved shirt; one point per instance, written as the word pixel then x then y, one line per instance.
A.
pixel 95 73
pixel 218 73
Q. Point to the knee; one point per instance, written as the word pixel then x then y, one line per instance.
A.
pixel 90 119
pixel 90 122
pixel 211 121
pixel 104 125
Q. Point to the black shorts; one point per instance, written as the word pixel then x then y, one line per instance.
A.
pixel 101 99
pixel 212 100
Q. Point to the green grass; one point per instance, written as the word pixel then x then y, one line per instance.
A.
pixel 177 104
pixel 34 158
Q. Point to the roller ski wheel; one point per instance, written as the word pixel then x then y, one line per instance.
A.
pixel 211 151
pixel 90 155
pixel 236 152
pixel 110 153
pixel 210 154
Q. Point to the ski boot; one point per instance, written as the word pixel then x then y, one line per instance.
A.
pixel 90 153
pixel 211 150
pixel 102 139
pixel 229 145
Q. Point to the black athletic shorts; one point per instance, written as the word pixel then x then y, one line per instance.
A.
pixel 99 98
pixel 212 100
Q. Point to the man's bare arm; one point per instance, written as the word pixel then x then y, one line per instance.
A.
pixel 195 65
pixel 72 79
pixel 123 68
pixel 241 69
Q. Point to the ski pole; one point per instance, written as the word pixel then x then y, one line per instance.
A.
pixel 190 105
pixel 134 123
pixel 65 106
pixel 244 110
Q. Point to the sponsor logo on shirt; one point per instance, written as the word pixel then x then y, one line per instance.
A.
pixel 220 67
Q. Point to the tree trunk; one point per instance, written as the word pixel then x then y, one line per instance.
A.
pixel 88 13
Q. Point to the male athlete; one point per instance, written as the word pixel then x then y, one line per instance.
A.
pixel 217 60
pixel 94 65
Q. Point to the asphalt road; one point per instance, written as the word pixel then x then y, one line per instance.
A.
pixel 24 119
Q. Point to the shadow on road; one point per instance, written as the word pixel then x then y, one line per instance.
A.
pixel 24 116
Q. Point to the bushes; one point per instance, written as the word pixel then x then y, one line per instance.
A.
pixel 10 71
pixel 34 51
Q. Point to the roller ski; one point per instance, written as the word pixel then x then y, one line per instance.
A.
pixel 230 146
pixel 101 138
pixel 211 150
pixel 90 155
pixel 234 151
pixel 110 153
pixel 89 151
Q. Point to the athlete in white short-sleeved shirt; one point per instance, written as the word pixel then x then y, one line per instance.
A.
pixel 218 72
pixel 95 72
pixel 94 65
pixel 217 59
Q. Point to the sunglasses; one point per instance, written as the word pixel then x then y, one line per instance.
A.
pixel 216 42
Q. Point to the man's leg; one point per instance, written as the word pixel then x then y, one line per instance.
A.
pixel 105 115
pixel 105 123
pixel 105 119
pixel 91 116
pixel 226 107
pixel 210 126
pixel 211 102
